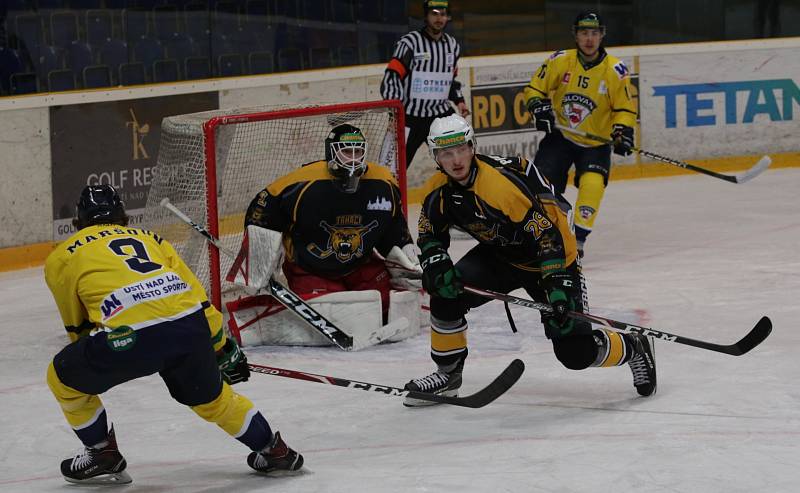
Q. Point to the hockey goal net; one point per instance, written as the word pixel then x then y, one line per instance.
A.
pixel 212 164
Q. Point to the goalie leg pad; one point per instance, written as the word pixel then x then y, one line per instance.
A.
pixel 262 320
pixel 259 258
pixel 405 304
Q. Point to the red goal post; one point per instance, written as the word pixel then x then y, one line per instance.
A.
pixel 212 164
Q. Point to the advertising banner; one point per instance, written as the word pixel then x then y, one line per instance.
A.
pixel 111 142
pixel 702 105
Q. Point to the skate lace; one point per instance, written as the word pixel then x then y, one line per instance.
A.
pixel 261 461
pixel 81 459
pixel 434 380
pixel 639 368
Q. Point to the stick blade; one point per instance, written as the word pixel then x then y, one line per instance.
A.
pixel 753 338
pixel 756 170
pixel 486 395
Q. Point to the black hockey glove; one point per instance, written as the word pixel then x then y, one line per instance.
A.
pixel 558 287
pixel 542 114
pixel 622 135
pixel 232 363
pixel 439 275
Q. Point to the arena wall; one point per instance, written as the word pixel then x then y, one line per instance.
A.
pixel 718 105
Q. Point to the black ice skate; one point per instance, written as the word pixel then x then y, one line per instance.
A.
pixel 643 365
pixel 97 465
pixel 277 457
pixel 438 382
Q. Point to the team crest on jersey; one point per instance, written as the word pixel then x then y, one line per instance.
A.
pixel 486 234
pixel 424 224
pixel 380 204
pixel 576 108
pixel 345 240
pixel 585 211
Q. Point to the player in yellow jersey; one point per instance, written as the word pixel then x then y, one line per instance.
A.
pixel 132 308
pixel 524 241
pixel 591 91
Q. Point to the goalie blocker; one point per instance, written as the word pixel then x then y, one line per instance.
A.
pixel 259 319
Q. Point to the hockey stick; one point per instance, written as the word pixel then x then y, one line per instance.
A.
pixel 284 295
pixel 752 339
pixel 507 378
pixel 748 175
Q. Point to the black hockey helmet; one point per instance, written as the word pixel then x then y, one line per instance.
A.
pixel 99 204
pixel 588 19
pixel 346 153
pixel 428 5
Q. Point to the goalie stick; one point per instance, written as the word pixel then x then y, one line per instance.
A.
pixel 284 295
pixel 752 339
pixel 748 175
pixel 507 378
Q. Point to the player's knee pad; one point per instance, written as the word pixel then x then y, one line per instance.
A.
pixel 591 188
pixel 230 411
pixel 575 352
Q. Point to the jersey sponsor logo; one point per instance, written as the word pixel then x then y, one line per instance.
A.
pixel 431 85
pixel 602 88
pixel 121 339
pixel 151 289
pixel 621 69
pixel 345 242
pixel 743 101
pixel 576 108
pixel 450 140
pixel 380 204
pixel 567 77
pixel 422 56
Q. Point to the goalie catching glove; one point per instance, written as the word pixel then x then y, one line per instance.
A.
pixel 558 287
pixel 439 276
pixel 232 363
pixel 403 266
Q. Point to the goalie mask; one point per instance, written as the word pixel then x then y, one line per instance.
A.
pixel 346 152
pixel 99 204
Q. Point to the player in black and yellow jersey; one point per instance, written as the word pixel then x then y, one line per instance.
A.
pixel 332 215
pixel 591 92
pixel 133 308
pixel 524 241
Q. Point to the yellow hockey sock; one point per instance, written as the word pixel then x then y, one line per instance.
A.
pixel 590 193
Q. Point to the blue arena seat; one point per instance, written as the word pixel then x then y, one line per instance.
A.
pixel 166 71
pixel 23 83
pixel 49 58
pixel 320 57
pixel 63 28
pixel 197 67
pixel 61 80
pixel 79 56
pixel 261 62
pixel 131 74
pixel 230 65
pixel 290 59
pixel 95 76
pixel 99 26
pixel 147 51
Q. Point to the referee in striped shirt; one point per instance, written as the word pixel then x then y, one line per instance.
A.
pixel 422 75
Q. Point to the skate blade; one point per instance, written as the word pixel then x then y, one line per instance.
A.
pixel 411 402
pixel 121 477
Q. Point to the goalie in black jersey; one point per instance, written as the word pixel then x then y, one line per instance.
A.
pixel 328 217
pixel 525 240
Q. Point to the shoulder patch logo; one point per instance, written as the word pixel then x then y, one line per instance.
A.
pixel 380 204
pixel 621 70
pixel 557 54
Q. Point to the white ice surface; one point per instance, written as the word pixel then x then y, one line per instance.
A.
pixel 690 255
